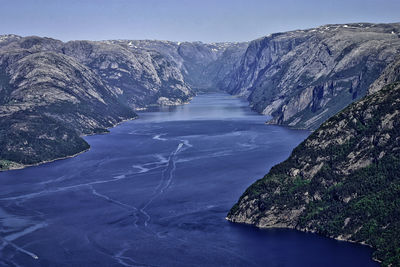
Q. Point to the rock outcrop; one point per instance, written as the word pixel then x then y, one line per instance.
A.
pixel 52 92
pixel 139 77
pixel 204 66
pixel 391 74
pixel 303 77
pixel 342 182
pixel 300 78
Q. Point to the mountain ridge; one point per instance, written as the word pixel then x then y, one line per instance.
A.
pixel 342 181
pixel 303 77
pixel 299 77
pixel 54 92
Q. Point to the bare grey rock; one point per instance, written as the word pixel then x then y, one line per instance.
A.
pixel 389 75
pixel 52 92
pixel 303 77
pixel 203 66
pixel 341 182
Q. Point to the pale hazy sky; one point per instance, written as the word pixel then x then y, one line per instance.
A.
pixel 183 20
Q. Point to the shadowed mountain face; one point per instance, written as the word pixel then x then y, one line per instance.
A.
pixel 203 66
pixel 48 100
pixel 343 181
pixel 52 92
pixel 303 77
pixel 139 78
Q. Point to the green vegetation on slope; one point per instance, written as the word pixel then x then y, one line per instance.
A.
pixel 32 138
pixel 342 182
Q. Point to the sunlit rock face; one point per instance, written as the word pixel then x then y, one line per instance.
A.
pixel 203 66
pixel 303 77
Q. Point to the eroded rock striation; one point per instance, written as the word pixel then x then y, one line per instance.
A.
pixel 52 92
pixel 300 78
pixel 139 77
pixel 389 75
pixel 303 77
pixel 204 66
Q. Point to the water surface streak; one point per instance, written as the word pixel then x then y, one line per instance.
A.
pixel 155 192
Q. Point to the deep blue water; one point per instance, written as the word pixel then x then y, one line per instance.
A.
pixel 155 192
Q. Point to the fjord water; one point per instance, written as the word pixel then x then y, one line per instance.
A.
pixel 155 192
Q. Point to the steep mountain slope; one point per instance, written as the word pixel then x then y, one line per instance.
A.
pixel 47 101
pixel 303 77
pixel 390 75
pixel 204 66
pixel 52 92
pixel 140 77
pixel 343 181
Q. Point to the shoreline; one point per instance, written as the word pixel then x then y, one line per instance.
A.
pixel 20 166
pixel 341 239
pixel 23 166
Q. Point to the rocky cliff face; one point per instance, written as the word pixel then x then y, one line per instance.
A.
pixel 84 87
pixel 139 77
pixel 342 181
pixel 390 75
pixel 52 92
pixel 303 77
pixel 204 66
pixel 47 101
